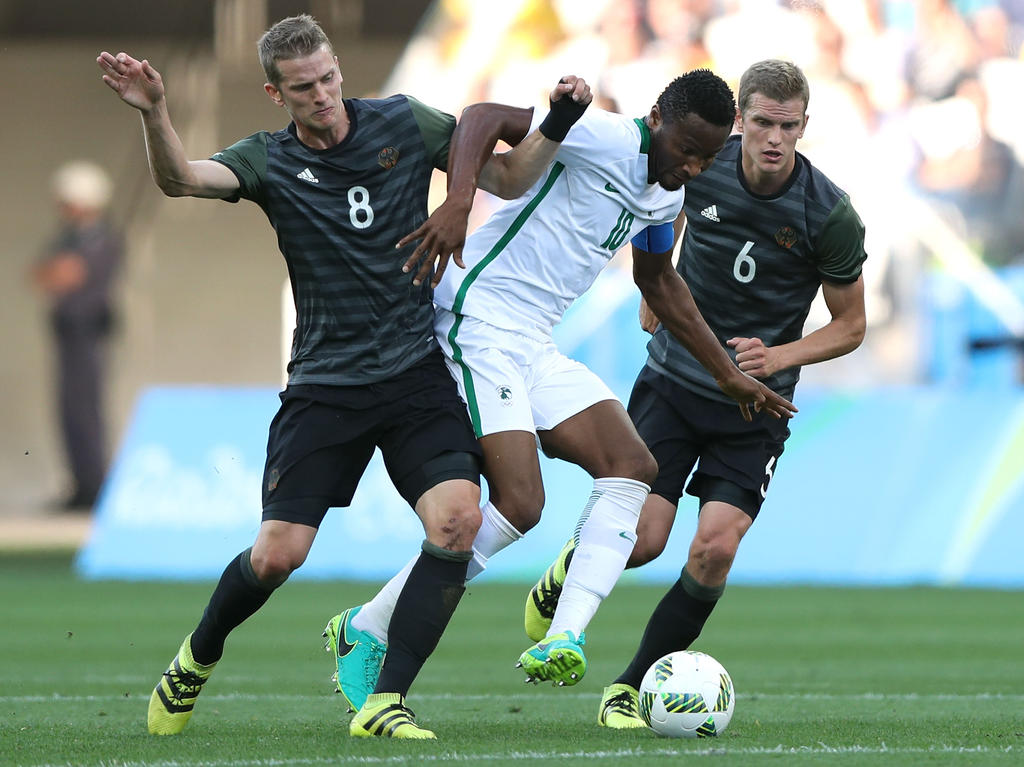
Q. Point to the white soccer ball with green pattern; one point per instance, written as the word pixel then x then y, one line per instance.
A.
pixel 687 694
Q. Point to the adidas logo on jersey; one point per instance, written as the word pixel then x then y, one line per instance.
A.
pixel 307 175
pixel 711 212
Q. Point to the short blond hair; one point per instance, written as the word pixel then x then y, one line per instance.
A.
pixel 290 38
pixel 775 79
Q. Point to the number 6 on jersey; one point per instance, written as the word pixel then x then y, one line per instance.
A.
pixel 744 267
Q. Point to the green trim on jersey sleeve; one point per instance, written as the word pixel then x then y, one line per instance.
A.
pixel 436 128
pixel 840 247
pixel 645 135
pixel 248 160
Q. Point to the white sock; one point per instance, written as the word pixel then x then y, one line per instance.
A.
pixel 605 535
pixel 375 615
pixel 495 533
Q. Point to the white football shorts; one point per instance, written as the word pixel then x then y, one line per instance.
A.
pixel 511 382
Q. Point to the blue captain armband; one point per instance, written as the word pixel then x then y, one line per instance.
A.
pixel 656 238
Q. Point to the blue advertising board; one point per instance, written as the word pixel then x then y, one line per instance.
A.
pixel 909 485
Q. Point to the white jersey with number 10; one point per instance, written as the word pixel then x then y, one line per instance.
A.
pixel 539 253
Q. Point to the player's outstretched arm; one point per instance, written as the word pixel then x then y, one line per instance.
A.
pixel 140 85
pixel 669 298
pixel 472 164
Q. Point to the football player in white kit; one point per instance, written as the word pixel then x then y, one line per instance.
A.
pixel 614 180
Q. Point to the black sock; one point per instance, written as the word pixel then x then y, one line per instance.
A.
pixel 422 611
pixel 238 595
pixel 674 625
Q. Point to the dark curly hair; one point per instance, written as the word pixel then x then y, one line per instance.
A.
pixel 701 92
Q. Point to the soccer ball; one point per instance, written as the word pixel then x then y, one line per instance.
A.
pixel 687 695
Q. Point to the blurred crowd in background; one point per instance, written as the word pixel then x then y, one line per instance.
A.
pixel 916 110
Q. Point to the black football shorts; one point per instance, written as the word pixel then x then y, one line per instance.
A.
pixel 735 459
pixel 323 437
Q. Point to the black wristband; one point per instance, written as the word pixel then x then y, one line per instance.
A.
pixel 563 115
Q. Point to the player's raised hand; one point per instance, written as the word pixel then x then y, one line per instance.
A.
pixel 136 82
pixel 568 101
pixel 441 237
pixel 574 89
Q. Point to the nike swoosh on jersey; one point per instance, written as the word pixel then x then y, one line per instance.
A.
pixel 611 188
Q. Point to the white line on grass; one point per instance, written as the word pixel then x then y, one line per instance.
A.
pixel 753 696
pixel 637 753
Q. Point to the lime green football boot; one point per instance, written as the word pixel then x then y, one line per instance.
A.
pixel 358 656
pixel 385 715
pixel 172 701
pixel 620 708
pixel 558 659
pixel 543 597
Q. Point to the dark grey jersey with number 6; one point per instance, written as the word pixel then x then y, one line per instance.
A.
pixel 754 263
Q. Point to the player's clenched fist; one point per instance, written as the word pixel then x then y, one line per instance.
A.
pixel 568 101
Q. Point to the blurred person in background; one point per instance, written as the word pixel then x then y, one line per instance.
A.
pixel 964 169
pixel 677 30
pixel 76 275
pixel 606 40
pixel 993 28
pixel 943 50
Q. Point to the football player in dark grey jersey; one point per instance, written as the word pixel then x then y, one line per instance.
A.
pixel 341 184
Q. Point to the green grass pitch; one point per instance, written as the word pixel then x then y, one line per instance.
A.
pixel 916 676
